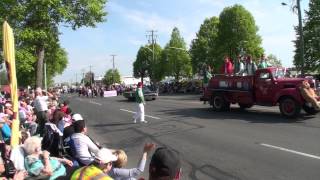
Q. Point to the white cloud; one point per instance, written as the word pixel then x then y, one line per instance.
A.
pixel 147 20
pixel 214 3
pixel 136 42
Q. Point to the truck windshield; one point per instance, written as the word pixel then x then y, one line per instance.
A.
pixel 278 73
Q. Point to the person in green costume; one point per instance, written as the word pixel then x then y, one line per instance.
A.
pixel 139 115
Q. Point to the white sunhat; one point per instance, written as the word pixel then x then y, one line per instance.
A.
pixel 105 156
pixel 77 117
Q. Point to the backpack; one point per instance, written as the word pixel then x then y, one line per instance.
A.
pixel 53 142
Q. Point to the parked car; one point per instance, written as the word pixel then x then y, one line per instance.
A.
pixel 148 94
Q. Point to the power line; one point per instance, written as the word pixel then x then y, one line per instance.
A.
pixel 90 76
pixel 152 39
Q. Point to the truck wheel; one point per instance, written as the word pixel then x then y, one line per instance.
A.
pixel 219 103
pixel 289 107
pixel 245 106
pixel 309 110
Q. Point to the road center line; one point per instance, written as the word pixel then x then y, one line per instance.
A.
pixel 92 102
pixel 291 151
pixel 135 112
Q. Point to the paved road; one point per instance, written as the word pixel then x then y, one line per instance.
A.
pixel 253 144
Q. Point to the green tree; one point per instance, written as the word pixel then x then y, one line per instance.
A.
pixel 155 66
pixel 36 24
pixel 237 32
pixel 178 61
pixel 3 75
pixel 311 32
pixel 274 61
pixel 88 78
pixel 111 77
pixel 141 64
pixel 146 66
pixel 203 47
pixel 25 64
pixel 56 61
pixel 297 56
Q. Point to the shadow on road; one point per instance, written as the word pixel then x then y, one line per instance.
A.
pixel 111 124
pixel 252 115
pixel 125 101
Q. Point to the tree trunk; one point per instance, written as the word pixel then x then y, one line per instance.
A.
pixel 40 57
pixel 142 79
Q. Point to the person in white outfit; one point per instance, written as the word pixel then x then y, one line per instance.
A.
pixel 139 115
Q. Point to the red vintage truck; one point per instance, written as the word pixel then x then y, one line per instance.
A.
pixel 267 87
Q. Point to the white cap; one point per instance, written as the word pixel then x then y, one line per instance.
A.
pixel 105 155
pixel 8 105
pixel 77 117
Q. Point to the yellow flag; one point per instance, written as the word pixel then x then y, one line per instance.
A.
pixel 9 56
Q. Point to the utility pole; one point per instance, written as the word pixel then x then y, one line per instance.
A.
pixel 152 38
pixel 113 55
pixel 76 79
pixel 90 76
pixel 301 44
pixel 83 77
pixel 301 37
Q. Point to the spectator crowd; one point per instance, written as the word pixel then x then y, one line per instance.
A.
pixel 54 144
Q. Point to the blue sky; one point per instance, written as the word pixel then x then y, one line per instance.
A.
pixel 129 20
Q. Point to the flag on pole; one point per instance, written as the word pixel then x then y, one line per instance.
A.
pixel 9 56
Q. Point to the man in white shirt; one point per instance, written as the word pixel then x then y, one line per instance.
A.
pixel 83 148
pixel 41 106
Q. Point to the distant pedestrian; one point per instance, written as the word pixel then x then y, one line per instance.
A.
pixel 206 78
pixel 101 92
pixel 227 67
pixel 139 115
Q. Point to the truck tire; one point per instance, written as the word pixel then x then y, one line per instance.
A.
pixel 309 110
pixel 219 103
pixel 289 107
pixel 245 106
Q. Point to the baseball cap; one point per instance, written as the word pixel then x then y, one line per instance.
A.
pixel 165 163
pixel 105 155
pixel 77 117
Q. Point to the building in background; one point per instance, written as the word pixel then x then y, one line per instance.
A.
pixel 129 80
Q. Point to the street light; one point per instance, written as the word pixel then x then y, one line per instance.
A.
pixel 300 33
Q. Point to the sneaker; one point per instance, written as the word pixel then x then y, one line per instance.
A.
pixel 144 121
pixel 134 121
